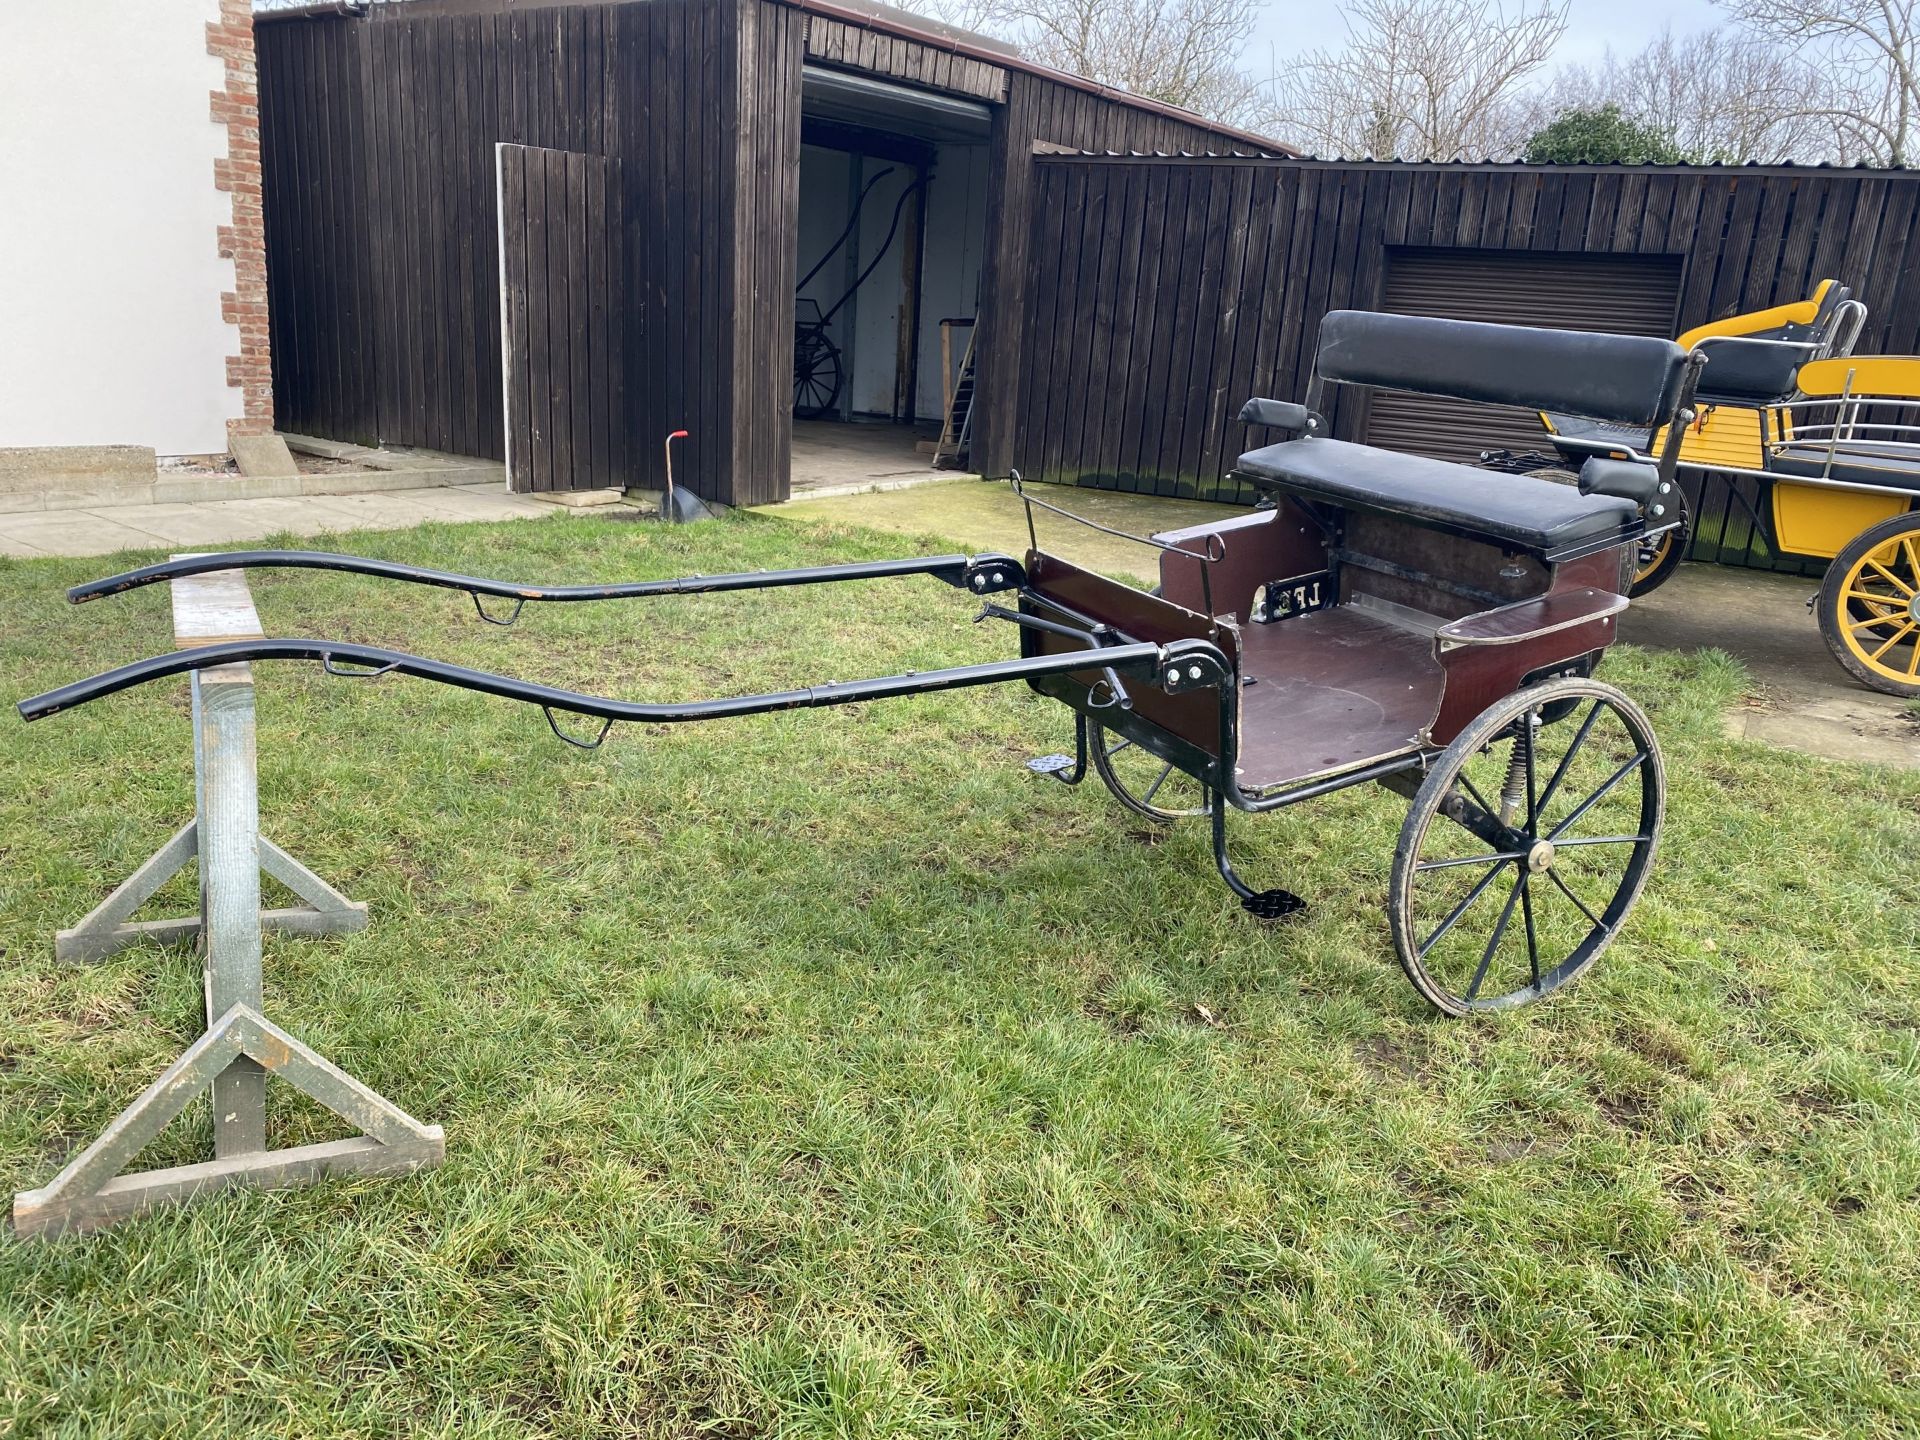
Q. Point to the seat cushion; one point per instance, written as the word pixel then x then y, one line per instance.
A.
pixel 1579 433
pixel 1860 462
pixel 1514 511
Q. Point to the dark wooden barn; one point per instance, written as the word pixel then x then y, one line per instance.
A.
pixel 621 192
pixel 1169 290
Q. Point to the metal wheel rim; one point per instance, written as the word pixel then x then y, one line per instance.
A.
pixel 1106 744
pixel 1518 892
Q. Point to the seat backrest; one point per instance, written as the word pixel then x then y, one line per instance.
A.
pixel 1629 379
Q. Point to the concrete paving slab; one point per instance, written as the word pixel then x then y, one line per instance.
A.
pixel 74 532
pixel 102 530
pixel 462 504
pixel 1803 700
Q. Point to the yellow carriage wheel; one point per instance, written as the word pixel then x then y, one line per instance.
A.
pixel 1658 556
pixel 1870 605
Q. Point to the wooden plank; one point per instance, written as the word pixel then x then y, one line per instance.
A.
pixel 1221 379
pixel 1110 348
pixel 598 284
pixel 1130 431
pixel 514 305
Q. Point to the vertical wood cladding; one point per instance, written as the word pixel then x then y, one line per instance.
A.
pixel 1166 291
pixel 381 202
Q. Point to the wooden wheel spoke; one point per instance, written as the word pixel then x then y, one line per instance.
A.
pixel 1159 780
pixel 1893 640
pixel 1560 771
pixel 1871 598
pixel 1533 939
pixel 1450 864
pixel 1892 579
pixel 1892 617
pixel 1474 793
pixel 1461 909
pixel 1594 799
pixel 1567 891
pixel 1499 930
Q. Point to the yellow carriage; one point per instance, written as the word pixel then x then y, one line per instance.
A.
pixel 1834 439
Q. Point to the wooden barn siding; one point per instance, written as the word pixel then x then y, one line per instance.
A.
pixel 320 297
pixel 1167 291
pixel 421 101
pixel 873 52
pixel 1042 111
pixel 765 220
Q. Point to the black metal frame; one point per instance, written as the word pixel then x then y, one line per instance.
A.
pixel 1176 667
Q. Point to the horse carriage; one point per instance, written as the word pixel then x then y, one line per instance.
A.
pixel 1834 440
pixel 1428 627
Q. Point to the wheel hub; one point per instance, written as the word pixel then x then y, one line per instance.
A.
pixel 1540 856
pixel 1913 606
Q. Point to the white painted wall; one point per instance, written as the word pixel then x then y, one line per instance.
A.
pixel 824 203
pixel 876 321
pixel 956 240
pixel 110 277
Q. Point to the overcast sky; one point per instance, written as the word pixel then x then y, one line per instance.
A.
pixel 1291 26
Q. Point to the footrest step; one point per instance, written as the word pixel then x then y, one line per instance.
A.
pixel 1273 904
pixel 1050 764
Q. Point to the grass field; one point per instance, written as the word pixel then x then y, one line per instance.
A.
pixel 828 1074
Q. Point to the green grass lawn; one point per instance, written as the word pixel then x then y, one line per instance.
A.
pixel 828 1074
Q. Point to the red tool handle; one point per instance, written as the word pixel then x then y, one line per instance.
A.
pixel 675 435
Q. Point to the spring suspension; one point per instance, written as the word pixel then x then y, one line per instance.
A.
pixel 1513 790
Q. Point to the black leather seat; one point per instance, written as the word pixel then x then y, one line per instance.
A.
pixel 1515 512
pixel 1859 462
pixel 1598 436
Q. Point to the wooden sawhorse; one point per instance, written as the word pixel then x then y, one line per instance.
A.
pixel 241 1047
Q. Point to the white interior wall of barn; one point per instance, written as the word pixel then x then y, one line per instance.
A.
pixel 876 320
pixel 824 203
pixel 953 240
pixel 956 239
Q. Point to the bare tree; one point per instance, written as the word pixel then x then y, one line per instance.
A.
pixel 1719 95
pixel 1185 52
pixel 1417 79
pixel 1865 56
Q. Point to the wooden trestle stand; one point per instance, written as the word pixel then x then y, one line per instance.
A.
pixel 241 1047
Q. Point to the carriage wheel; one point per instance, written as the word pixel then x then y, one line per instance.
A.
pixel 1573 774
pixel 1870 606
pixel 816 374
pixel 1658 556
pixel 1143 782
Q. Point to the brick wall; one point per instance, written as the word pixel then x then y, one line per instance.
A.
pixel 237 107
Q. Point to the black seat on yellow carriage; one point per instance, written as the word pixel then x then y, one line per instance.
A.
pixel 1858 462
pixel 1538 516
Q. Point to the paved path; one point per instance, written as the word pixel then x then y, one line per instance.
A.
pixel 220 522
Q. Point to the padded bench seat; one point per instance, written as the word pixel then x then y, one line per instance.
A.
pixel 1859 462
pixel 1513 511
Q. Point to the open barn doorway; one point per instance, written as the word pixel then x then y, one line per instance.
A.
pixel 889 245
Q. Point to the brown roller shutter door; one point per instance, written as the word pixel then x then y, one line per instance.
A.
pixel 1624 294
